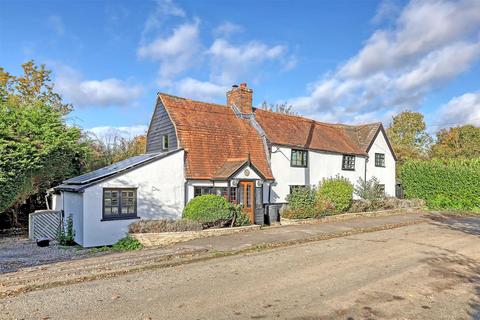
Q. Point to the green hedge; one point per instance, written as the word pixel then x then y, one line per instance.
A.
pixel 452 184
pixel 302 198
pixel 335 194
pixel 208 208
pixel 213 211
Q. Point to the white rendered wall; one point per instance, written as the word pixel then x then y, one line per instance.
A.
pixel 385 175
pixel 57 201
pixel 73 205
pixel 160 195
pixel 320 165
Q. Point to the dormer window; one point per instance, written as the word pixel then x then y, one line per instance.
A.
pixel 165 142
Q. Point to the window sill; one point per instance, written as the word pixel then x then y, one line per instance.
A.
pixel 348 169
pixel 119 218
pixel 380 166
pixel 294 166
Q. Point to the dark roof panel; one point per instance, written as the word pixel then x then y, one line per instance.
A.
pixel 111 169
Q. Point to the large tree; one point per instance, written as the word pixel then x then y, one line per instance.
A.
pixel 457 142
pixel 408 135
pixel 110 149
pixel 37 148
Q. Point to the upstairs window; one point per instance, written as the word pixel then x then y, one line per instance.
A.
pixel 379 159
pixel 119 203
pixel 348 162
pixel 165 142
pixel 299 158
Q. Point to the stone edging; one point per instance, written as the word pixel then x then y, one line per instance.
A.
pixel 167 238
pixel 348 216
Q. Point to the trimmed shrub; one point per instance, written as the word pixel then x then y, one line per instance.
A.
pixel 302 204
pixel 451 184
pixel 164 225
pixel 209 208
pixel 335 194
pixel 302 198
pixel 308 213
pixel 215 211
pixel 369 189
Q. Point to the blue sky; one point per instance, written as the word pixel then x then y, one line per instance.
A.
pixel 335 61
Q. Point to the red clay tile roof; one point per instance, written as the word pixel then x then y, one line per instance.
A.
pixel 212 134
pixel 300 132
pixel 229 168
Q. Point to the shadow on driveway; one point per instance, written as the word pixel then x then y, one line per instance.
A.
pixel 466 224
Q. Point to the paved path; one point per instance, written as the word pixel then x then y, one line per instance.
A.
pixel 420 271
pixel 112 264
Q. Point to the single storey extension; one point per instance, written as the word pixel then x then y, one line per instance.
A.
pixel 250 156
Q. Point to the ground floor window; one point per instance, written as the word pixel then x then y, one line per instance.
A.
pixel 119 203
pixel 296 187
pixel 382 188
pixel 221 191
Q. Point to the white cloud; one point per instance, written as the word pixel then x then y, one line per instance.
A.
pixel 163 10
pixel 227 28
pixel 108 133
pixel 229 62
pixel 440 65
pixel 84 93
pixel 430 43
pixel 423 26
pixel 221 63
pixel 175 52
pixel 56 23
pixel 200 90
pixel 464 109
pixel 386 11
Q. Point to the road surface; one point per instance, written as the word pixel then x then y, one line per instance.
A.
pixel 423 271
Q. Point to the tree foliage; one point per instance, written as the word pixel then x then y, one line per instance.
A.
pixel 457 142
pixel 283 107
pixel 108 150
pixel 408 135
pixel 37 148
pixel 33 86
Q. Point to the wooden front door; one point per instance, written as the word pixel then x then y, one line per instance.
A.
pixel 246 197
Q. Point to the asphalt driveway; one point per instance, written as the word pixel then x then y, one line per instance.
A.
pixel 420 271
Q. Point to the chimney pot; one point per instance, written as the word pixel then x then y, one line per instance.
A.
pixel 241 96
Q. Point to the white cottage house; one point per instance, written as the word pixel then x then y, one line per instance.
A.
pixel 250 156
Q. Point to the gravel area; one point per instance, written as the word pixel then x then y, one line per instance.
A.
pixel 19 252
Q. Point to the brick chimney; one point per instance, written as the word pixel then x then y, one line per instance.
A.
pixel 241 96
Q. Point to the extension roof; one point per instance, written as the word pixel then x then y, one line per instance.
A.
pixel 83 181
